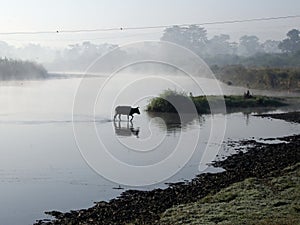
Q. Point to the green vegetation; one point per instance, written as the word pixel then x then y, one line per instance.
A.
pixel 163 102
pixel 260 78
pixel 21 70
pixel 270 201
pixel 235 101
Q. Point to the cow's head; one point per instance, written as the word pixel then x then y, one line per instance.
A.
pixel 135 110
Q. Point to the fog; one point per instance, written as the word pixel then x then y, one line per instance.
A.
pixel 79 56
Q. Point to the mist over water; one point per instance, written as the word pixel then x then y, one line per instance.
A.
pixel 42 169
pixel 64 146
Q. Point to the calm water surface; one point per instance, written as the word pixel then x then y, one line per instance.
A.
pixel 41 168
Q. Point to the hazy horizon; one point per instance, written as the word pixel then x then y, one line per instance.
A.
pixel 33 15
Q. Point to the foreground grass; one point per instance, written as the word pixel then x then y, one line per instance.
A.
pixel 270 201
pixel 165 102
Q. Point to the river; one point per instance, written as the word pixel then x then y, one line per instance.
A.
pixel 42 167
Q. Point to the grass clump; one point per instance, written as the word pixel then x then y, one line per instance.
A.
pixel 171 101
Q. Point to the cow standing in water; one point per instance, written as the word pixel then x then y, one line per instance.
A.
pixel 126 110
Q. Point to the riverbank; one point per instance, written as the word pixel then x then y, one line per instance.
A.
pixel 263 162
pixel 264 78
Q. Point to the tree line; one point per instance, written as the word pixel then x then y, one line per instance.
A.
pixel 21 70
pixel 195 38
pixel 218 50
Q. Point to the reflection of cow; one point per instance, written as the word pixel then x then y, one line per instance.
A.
pixel 126 110
pixel 126 131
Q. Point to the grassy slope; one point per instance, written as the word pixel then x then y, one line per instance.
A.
pixel 271 201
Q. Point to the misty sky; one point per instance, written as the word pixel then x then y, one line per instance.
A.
pixel 37 15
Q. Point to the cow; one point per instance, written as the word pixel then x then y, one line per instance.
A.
pixel 126 110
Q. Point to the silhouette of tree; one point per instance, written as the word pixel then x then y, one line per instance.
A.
pixel 192 37
pixel 220 45
pixel 292 43
pixel 271 46
pixel 249 45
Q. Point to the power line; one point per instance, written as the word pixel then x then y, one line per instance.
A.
pixel 216 22
pixel 251 20
pixel 147 27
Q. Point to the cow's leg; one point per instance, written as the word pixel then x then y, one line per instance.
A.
pixel 131 118
pixel 119 116
pixel 127 117
pixel 115 116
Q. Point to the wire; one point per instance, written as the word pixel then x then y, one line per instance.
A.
pixel 147 27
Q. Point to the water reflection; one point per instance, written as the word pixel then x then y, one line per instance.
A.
pixel 127 130
pixel 247 117
pixel 173 122
pixel 251 110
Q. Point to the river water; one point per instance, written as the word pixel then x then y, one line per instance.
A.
pixel 42 167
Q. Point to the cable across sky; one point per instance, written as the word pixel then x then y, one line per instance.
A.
pixel 147 27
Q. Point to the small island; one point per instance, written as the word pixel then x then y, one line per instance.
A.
pixel 11 69
pixel 162 103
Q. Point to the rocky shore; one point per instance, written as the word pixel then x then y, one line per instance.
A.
pixel 260 161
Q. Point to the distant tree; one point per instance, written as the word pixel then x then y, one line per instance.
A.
pixel 192 37
pixel 220 45
pixel 271 46
pixel 77 57
pixel 292 43
pixel 21 70
pixel 6 50
pixel 249 45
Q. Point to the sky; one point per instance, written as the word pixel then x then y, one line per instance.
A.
pixel 52 15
